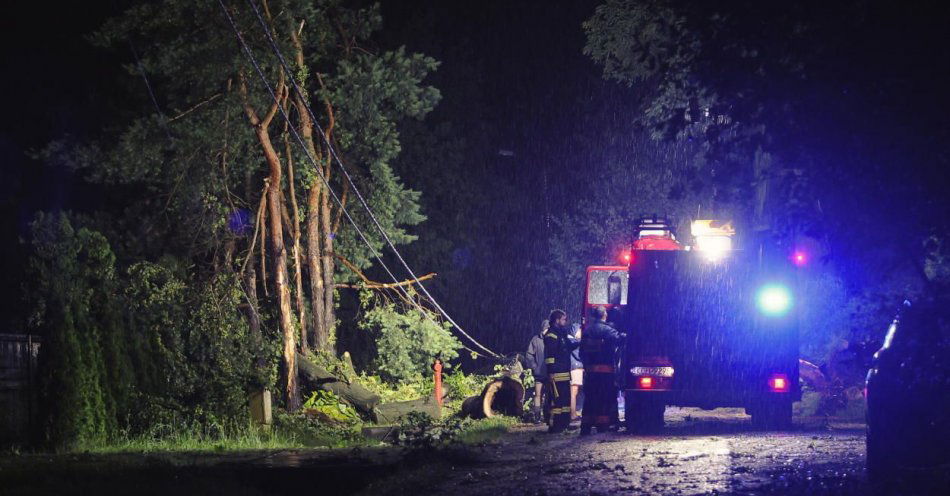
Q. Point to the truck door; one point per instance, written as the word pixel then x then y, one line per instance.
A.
pixel 605 286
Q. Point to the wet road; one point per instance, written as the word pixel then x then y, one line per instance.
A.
pixel 698 453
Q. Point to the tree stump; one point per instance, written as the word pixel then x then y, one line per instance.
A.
pixel 501 396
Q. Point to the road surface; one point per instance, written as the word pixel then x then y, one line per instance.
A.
pixel 698 452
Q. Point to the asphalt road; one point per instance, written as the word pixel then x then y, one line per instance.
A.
pixel 698 452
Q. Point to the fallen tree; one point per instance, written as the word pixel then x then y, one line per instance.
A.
pixel 314 377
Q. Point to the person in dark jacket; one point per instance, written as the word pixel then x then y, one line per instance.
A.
pixel 558 345
pixel 598 348
pixel 534 360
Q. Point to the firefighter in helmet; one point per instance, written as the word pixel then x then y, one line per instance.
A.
pixel 558 344
pixel 599 353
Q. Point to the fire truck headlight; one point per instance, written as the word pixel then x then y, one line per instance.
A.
pixel 774 300
pixel 713 247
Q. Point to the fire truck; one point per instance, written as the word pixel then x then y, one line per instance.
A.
pixel 708 324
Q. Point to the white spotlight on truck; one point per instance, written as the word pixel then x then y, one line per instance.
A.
pixel 712 239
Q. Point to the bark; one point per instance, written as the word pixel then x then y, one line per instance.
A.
pixel 276 234
pixel 298 276
pixel 249 274
pixel 503 395
pixel 326 260
pixel 316 377
pixel 317 301
pixel 321 272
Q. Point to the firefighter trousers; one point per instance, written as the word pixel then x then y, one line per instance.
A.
pixel 559 397
pixel 600 398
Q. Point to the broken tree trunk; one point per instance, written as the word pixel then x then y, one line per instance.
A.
pixel 314 377
pixel 390 413
pixel 502 396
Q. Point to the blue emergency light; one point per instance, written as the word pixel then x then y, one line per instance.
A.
pixel 774 300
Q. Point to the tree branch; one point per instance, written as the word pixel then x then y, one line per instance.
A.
pixel 367 283
pixel 196 106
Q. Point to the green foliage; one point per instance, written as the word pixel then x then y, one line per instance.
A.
pixel 85 372
pixel 195 350
pixel 461 386
pixel 420 431
pixel 311 431
pixel 331 407
pixel 408 389
pixel 212 164
pixel 407 340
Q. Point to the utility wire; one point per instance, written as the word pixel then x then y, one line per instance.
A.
pixel 151 94
pixel 333 153
pixel 326 183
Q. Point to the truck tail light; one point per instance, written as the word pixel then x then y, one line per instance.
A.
pixel 778 383
pixel 645 382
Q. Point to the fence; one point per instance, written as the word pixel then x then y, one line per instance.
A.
pixel 18 354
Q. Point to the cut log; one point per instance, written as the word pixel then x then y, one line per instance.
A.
pixel 501 396
pixel 314 377
pixel 390 413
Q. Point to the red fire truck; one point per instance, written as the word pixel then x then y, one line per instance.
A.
pixel 708 324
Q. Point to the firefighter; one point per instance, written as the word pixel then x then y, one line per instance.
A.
pixel 558 345
pixel 599 346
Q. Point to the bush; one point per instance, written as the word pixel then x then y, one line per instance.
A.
pixel 405 390
pixel 420 430
pixel 407 340
pixel 85 375
pixel 311 431
pixel 121 356
pixel 193 347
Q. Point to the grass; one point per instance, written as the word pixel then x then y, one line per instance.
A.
pixel 486 430
pixel 191 442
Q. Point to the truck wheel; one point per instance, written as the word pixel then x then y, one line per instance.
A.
pixel 772 414
pixel 643 415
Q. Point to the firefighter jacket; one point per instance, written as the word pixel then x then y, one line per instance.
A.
pixel 599 345
pixel 558 345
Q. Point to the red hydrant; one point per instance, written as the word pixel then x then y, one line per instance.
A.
pixel 437 367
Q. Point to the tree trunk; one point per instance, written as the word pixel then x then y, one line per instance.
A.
pixel 281 283
pixel 317 377
pixel 314 246
pixel 326 260
pixel 250 286
pixel 298 277
pixel 274 197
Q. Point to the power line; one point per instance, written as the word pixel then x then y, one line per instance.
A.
pixel 369 211
pixel 326 183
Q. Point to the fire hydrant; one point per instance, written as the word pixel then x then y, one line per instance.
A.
pixel 437 367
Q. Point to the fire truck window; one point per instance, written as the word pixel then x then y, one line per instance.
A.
pixel 606 287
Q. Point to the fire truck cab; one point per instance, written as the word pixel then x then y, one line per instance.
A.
pixel 707 324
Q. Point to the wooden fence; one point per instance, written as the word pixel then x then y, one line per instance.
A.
pixel 18 354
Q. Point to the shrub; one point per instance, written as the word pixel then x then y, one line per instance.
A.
pixel 85 374
pixel 407 340
pixel 310 431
